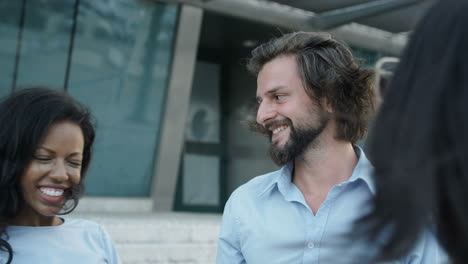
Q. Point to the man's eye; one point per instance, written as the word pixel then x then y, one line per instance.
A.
pixel 279 97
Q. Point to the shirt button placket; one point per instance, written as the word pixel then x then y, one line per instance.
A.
pixel 311 228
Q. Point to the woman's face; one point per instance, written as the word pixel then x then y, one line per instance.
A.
pixel 54 169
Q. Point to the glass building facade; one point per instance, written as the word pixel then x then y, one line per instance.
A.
pixel 147 73
pixel 112 55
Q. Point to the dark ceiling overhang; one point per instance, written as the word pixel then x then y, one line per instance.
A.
pixel 389 15
pixel 371 24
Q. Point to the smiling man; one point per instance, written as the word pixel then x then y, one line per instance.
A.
pixel 314 102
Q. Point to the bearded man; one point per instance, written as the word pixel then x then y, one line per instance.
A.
pixel 314 102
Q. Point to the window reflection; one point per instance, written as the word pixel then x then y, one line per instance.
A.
pixel 120 68
pixel 121 52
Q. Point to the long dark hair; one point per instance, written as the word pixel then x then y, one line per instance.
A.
pixel 25 118
pixel 420 143
pixel 328 70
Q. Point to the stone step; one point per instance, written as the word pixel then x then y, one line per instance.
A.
pixel 167 253
pixel 163 238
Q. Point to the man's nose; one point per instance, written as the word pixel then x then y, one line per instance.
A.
pixel 265 112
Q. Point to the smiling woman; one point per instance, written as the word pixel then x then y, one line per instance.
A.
pixel 46 143
pixel 48 178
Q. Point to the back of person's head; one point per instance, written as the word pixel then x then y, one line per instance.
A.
pixel 420 143
pixel 25 118
pixel 328 71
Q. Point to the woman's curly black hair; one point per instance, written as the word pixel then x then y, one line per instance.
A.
pixel 25 118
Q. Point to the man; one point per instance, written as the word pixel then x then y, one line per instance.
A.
pixel 313 103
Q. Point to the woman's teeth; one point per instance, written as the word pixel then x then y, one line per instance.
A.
pixel 51 191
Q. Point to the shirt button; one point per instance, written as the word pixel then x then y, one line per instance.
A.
pixel 310 245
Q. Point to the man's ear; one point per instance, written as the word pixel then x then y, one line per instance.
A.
pixel 327 105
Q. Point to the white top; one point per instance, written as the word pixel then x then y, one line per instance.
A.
pixel 76 241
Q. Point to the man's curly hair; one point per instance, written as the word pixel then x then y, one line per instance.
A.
pixel 328 71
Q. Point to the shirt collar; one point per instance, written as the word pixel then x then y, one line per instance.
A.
pixel 362 171
pixel 281 178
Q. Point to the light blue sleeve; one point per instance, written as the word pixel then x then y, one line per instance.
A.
pixel 109 247
pixel 427 251
pixel 229 250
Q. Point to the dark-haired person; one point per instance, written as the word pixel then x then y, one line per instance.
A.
pixel 420 144
pixel 314 102
pixel 46 140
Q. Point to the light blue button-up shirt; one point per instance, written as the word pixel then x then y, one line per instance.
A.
pixel 267 221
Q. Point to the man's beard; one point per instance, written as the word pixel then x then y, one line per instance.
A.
pixel 299 140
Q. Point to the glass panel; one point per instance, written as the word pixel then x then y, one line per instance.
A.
pixel 201 181
pixel 45 43
pixel 201 160
pixel 10 12
pixel 203 117
pixel 120 67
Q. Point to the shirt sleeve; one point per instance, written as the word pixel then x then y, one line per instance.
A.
pixel 427 251
pixel 109 247
pixel 229 250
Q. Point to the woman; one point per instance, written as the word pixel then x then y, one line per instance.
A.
pixel 420 144
pixel 46 140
